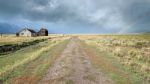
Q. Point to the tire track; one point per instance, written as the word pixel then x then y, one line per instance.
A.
pixel 74 67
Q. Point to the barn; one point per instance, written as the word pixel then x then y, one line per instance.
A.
pixel 26 32
pixel 43 32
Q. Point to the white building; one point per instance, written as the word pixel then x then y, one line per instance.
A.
pixel 27 32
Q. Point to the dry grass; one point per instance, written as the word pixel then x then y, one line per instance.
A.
pixel 12 39
pixel 132 51
pixel 29 64
pixel 107 67
pixel 90 77
pixel 17 40
pixel 69 82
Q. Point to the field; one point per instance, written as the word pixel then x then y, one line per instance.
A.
pixel 12 39
pixel 76 59
pixel 131 51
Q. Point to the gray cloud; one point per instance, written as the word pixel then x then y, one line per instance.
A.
pixel 116 16
pixel 8 28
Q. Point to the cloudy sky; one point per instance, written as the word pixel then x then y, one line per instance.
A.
pixel 76 16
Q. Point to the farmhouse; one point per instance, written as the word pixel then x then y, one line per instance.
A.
pixel 32 33
pixel 43 32
pixel 26 32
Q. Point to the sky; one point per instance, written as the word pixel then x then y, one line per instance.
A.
pixel 76 16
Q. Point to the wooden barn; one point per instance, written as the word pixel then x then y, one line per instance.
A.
pixel 26 32
pixel 43 32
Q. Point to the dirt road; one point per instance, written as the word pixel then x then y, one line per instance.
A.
pixel 74 67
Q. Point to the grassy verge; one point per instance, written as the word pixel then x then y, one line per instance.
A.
pixel 9 48
pixel 105 62
pixel 9 62
pixel 11 40
pixel 35 66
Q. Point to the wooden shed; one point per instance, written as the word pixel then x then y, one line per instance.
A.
pixel 26 32
pixel 43 32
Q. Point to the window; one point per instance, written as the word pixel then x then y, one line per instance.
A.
pixel 22 33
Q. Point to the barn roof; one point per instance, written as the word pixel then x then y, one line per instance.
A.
pixel 31 30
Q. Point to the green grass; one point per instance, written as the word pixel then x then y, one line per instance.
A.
pixel 108 64
pixel 13 60
pixel 131 51
pixel 32 70
pixel 70 82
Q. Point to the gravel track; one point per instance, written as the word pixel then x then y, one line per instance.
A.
pixel 74 67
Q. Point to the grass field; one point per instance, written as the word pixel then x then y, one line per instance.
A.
pixel 125 59
pixel 22 57
pixel 12 39
pixel 131 51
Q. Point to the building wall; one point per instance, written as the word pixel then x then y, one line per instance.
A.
pixel 25 33
pixel 34 34
pixel 43 32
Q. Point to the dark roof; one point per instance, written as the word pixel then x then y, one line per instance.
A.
pixel 42 30
pixel 31 30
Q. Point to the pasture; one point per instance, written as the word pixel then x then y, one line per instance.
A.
pixel 131 51
pixel 95 59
